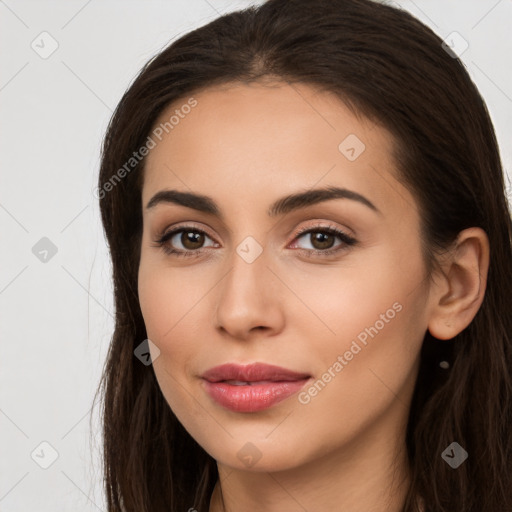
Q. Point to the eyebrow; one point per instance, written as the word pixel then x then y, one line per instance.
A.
pixel 282 206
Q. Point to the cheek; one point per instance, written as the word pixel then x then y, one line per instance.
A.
pixel 167 313
pixel 368 367
pixel 369 296
pixel 168 296
pixel 169 320
pixel 368 330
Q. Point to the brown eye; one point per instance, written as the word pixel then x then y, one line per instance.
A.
pixel 321 240
pixel 185 241
pixel 192 239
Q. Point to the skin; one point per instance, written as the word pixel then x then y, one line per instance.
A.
pixel 246 146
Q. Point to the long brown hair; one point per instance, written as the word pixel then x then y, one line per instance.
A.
pixel 386 65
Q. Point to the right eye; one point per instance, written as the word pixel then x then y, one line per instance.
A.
pixel 191 240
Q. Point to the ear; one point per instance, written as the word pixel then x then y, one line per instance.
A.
pixel 458 291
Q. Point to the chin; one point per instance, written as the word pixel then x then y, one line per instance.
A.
pixel 258 456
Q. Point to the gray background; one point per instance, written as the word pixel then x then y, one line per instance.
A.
pixel 56 310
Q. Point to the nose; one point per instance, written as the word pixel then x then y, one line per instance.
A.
pixel 250 299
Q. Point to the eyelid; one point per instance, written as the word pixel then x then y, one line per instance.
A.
pixel 323 225
pixel 189 226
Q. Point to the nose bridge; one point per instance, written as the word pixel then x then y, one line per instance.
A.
pixel 248 297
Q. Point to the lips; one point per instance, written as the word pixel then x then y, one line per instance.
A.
pixel 256 372
pixel 253 387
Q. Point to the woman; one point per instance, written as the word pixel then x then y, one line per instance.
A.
pixel 311 243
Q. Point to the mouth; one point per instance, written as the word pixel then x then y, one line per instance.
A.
pixel 249 383
pixel 253 387
pixel 256 372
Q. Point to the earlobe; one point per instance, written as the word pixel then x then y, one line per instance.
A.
pixel 458 294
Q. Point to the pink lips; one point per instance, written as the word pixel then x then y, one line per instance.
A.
pixel 253 387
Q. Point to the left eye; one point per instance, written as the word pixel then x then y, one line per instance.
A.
pixel 322 239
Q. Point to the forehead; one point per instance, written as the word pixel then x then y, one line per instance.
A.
pixel 264 137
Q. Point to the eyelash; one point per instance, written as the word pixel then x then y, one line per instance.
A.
pixel 347 240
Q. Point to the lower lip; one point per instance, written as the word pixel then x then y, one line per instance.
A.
pixel 252 398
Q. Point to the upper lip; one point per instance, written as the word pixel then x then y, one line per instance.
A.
pixel 251 373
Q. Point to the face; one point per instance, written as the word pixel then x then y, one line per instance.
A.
pixel 331 288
